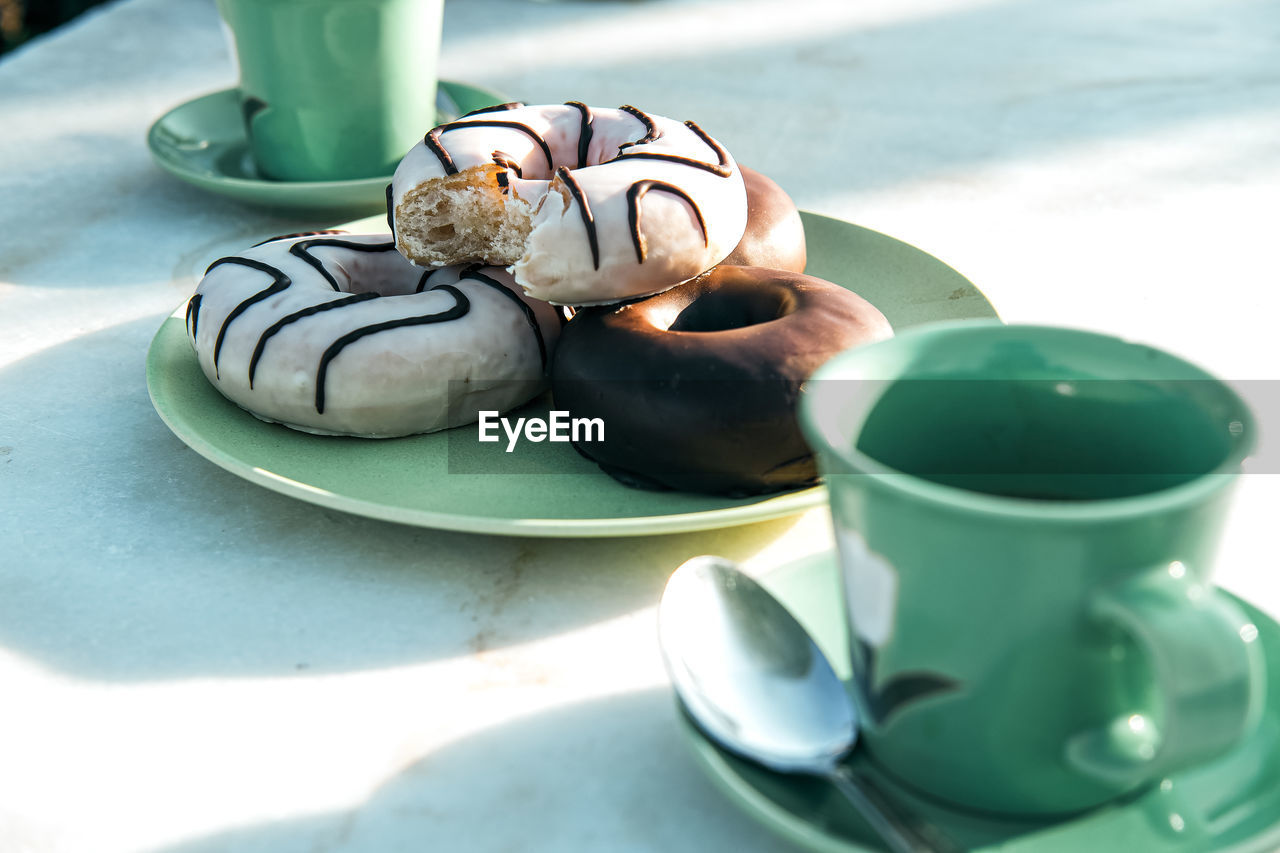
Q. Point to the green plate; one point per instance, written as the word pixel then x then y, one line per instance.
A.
pixel 203 142
pixel 1231 804
pixel 446 479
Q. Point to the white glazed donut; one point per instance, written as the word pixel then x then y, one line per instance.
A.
pixel 339 334
pixel 586 206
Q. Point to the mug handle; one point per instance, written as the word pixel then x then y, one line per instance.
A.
pixel 1209 673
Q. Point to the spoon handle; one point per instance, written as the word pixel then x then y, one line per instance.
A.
pixel 899 832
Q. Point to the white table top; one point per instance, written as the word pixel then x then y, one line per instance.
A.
pixel 189 662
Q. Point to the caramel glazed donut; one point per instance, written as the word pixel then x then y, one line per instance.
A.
pixel 585 206
pixel 340 335
pixel 697 387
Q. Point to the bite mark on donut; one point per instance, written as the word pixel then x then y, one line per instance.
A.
pixel 478 213
pixel 469 214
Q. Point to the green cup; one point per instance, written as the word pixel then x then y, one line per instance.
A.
pixel 1026 519
pixel 334 89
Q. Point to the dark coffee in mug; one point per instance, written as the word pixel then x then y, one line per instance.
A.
pixel 1047 439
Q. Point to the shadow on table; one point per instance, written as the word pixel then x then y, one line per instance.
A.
pixel 610 774
pixel 170 576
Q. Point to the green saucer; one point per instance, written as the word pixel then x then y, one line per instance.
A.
pixel 203 143
pixel 1230 804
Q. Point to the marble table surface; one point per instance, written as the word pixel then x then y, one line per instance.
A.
pixel 189 662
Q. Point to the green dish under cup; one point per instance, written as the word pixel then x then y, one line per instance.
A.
pixel 334 89
pixel 1026 519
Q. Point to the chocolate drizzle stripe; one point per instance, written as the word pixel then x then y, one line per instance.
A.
pixel 504 160
pixel 722 171
pixel 460 308
pixel 298 234
pixel 584 131
pixel 293 318
pixel 721 168
pixel 721 154
pixel 193 314
pixel 496 108
pixel 650 130
pixel 584 210
pixel 637 192
pixel 391 218
pixel 432 140
pixel 302 248
pixel 423 279
pixel 280 282
pixel 473 273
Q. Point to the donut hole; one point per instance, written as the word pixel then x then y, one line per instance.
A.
pixel 383 273
pixel 734 307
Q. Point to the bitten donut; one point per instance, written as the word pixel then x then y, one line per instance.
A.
pixel 339 334
pixel 585 206
pixel 774 238
pixel 697 387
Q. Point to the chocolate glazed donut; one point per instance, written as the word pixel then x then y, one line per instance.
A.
pixel 775 235
pixel 697 387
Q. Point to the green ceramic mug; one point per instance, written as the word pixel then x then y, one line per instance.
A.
pixel 334 89
pixel 1026 519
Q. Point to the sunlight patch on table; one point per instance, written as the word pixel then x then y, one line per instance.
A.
pixel 157 764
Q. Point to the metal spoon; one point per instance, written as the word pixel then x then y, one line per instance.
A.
pixel 753 679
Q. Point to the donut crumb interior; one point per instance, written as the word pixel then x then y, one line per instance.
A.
pixel 463 217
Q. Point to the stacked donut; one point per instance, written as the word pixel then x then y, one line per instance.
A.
pixel 503 214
